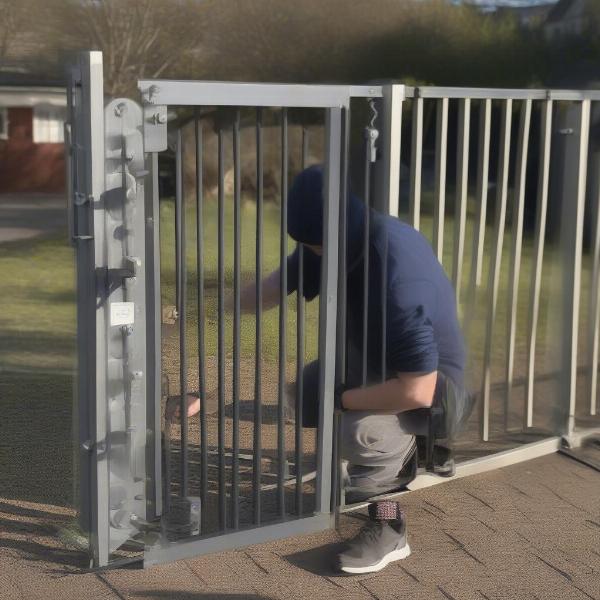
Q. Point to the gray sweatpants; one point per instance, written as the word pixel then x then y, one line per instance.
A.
pixel 376 446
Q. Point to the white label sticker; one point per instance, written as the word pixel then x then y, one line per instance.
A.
pixel 122 313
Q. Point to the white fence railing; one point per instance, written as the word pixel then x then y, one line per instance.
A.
pixel 520 240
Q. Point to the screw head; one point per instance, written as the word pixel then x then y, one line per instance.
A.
pixel 120 109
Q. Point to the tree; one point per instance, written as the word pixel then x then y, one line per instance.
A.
pixel 12 19
pixel 139 38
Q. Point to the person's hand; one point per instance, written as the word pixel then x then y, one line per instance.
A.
pixel 173 411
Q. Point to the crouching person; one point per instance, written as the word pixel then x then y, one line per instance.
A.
pixel 389 394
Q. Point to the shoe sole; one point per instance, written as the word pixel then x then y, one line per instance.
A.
pixel 393 556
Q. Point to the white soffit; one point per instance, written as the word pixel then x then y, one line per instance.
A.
pixel 18 97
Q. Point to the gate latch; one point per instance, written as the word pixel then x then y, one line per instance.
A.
pixel 371 133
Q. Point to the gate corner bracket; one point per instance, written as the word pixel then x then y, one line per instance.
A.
pixel 578 437
pixel 154 127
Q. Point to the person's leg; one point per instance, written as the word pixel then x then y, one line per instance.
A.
pixel 310 396
pixel 376 447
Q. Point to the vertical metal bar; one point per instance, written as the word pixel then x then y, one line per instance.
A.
pixel 181 283
pixel 540 235
pixel 221 330
pixel 328 308
pixel 517 243
pixel 595 296
pixel 483 167
pixel 300 347
pixel 341 331
pixel 257 437
pixel 439 201
pixel 483 150
pixel 462 185
pixel 416 163
pixel 153 338
pixel 494 277
pixel 281 453
pixel 366 236
pixel 384 292
pixel 340 363
pixel 573 273
pixel 387 176
pixel 237 193
pixel 201 324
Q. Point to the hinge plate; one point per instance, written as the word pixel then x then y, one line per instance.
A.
pixel 155 128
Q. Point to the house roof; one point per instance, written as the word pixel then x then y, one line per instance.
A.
pixel 22 78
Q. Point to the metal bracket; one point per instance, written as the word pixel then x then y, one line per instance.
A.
pixel 155 127
pixel 113 278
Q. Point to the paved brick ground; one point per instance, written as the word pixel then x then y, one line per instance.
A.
pixel 526 531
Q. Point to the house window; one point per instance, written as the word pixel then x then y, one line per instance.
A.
pixel 48 124
pixel 3 123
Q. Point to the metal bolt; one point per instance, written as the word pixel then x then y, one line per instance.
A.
pixel 152 91
pixel 120 109
pixel 137 374
pixel 160 118
pixel 127 329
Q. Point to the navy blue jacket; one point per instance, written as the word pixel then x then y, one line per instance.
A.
pixel 422 332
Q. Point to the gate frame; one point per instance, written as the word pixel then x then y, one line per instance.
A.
pixel 157 95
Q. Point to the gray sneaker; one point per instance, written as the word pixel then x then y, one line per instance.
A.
pixel 376 546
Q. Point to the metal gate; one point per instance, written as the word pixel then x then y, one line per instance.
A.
pixel 155 268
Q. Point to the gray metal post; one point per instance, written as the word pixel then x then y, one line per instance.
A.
pixel 153 336
pixel 577 128
pixel 110 230
pixel 87 168
pixel 386 173
pixel 328 308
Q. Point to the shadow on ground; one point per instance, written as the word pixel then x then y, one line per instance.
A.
pixel 34 534
pixel 36 463
pixel 318 561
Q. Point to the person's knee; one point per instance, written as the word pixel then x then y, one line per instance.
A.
pixel 367 433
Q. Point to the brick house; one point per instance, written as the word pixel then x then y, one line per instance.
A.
pixel 31 135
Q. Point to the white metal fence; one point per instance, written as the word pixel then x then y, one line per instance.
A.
pixel 507 271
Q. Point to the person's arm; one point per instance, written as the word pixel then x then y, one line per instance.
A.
pixel 411 353
pixel 270 293
pixel 406 391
